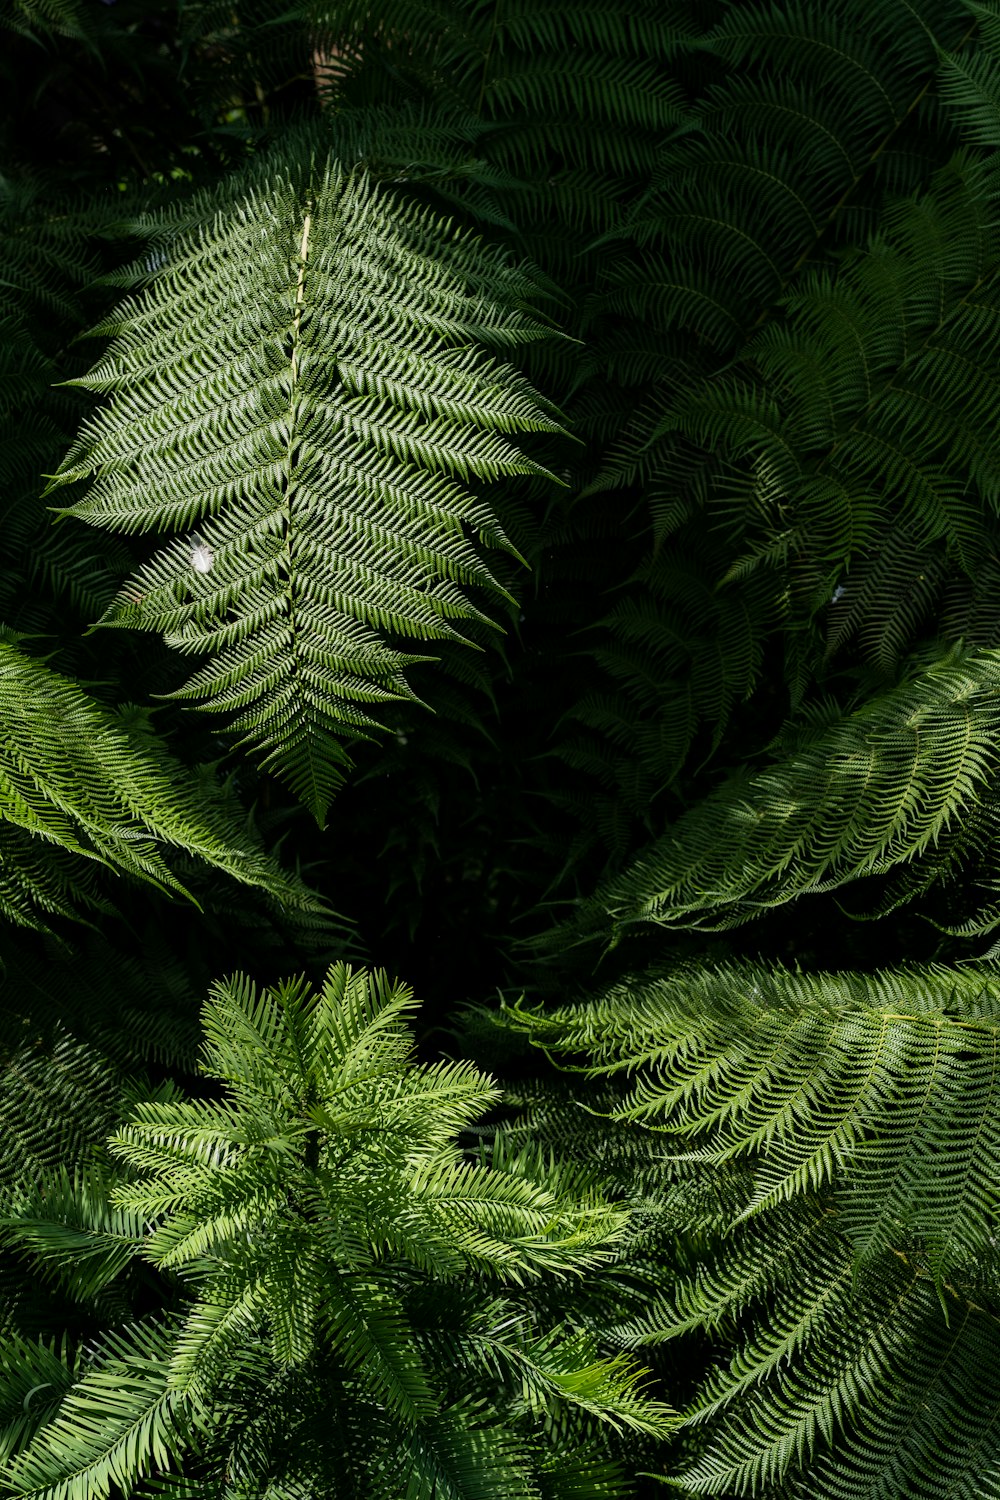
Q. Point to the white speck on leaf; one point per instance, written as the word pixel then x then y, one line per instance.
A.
pixel 838 593
pixel 202 556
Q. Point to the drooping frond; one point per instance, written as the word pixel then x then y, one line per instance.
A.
pixel 872 790
pixel 853 1271
pixel 838 1385
pixel 302 381
pixel 886 1085
pixel 113 1425
pixel 101 788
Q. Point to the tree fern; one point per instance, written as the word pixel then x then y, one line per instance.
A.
pixel 300 1215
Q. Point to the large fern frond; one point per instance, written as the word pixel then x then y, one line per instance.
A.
pixel 841 1385
pixel 853 1270
pixel 885 1085
pixel 301 380
pixel 891 783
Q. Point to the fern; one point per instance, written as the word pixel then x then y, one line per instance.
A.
pixel 856 1274
pixel 751 659
pixel 64 17
pixel 890 783
pixel 79 777
pixel 315 419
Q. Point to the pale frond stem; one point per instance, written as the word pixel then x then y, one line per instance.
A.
pixel 300 289
pixel 293 419
pixel 486 59
pixel 767 312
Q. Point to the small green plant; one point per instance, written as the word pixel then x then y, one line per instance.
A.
pixel 331 1262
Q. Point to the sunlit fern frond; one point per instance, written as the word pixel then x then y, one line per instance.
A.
pixel 305 380
pixel 83 785
pixel 852 1275
pixel 896 781
pixel 885 1086
pixel 838 1384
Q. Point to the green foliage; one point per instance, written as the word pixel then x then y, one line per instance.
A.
pixel 101 787
pixel 855 1282
pixel 299 1220
pixel 327 483
pixel 563 435
pixel 906 776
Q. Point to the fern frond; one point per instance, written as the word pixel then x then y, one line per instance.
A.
pixel 853 1270
pixel 34 1377
pixel 77 776
pixel 457 1456
pixel 62 17
pixel 885 785
pixel 68 1228
pixel 369 1327
pixel 57 1102
pixel 885 1086
pixel 300 380
pixel 839 1388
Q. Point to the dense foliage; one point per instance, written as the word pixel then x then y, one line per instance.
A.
pixel 503 493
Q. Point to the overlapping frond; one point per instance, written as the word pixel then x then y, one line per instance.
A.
pixel 57 1101
pixel 100 787
pixel 114 1424
pixel 569 104
pixel 340 1263
pixel 841 1385
pixel 885 1085
pixel 888 784
pixel 852 1272
pixel 66 1225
